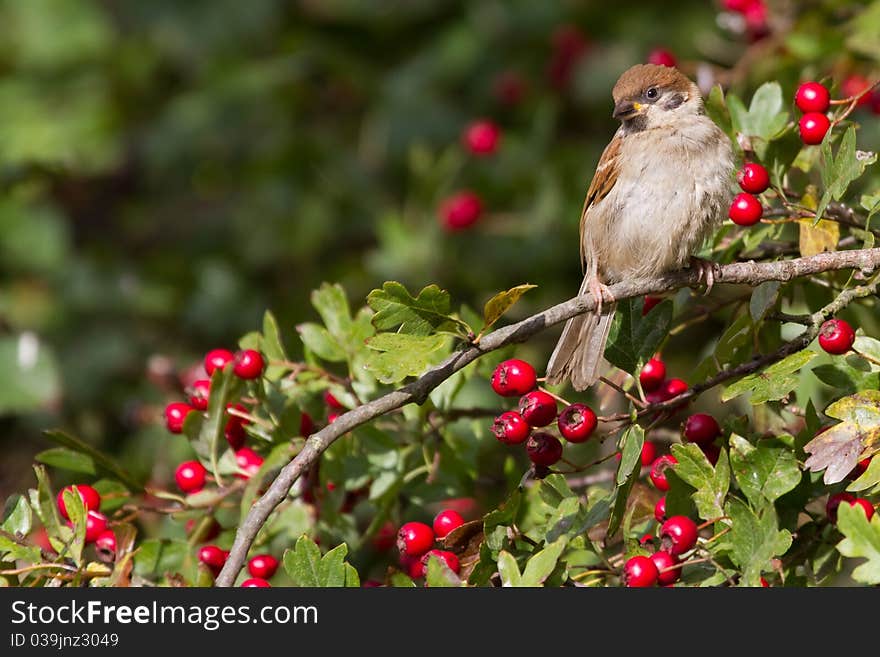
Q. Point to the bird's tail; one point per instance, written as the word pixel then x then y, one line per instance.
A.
pixel 579 353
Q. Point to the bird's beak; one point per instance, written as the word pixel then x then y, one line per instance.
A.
pixel 626 109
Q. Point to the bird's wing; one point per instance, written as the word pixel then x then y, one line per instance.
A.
pixel 603 181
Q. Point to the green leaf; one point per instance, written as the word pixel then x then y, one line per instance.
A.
pixel 331 569
pixel 755 539
pixel 710 483
pixel 275 459
pixel 43 502
pixel 862 540
pixel 68 459
pixel 10 551
pixel 867 346
pixel 627 472
pixel 301 563
pixel 780 155
pixel 438 574
pixel 352 579
pixel 102 461
pixel 29 376
pixel 508 569
pixel 634 338
pixel 717 110
pixel 765 472
pixel 159 556
pixel 76 512
pixel 837 449
pixel 207 437
pixel 541 564
pixel 501 303
pixel 839 171
pixel 869 478
pixel 401 580
pixel 396 309
pixel 863 32
pixel 332 305
pixel 396 356
pixel 765 119
pixel 773 383
pixel 845 379
pixel 17 516
pixel 272 347
pixel 763 299
pixel 318 340
pixel 306 567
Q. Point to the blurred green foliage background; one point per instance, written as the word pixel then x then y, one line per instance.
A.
pixel 168 170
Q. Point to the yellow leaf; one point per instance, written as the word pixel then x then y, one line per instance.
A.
pixel 819 238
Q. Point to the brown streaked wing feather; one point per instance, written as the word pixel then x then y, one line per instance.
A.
pixel 603 181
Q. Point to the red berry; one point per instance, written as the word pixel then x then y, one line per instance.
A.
pixel 513 378
pixel 649 453
pixel 190 476
pixel 175 415
pixel 664 560
pixel 235 433
pixel 652 375
pixel 537 408
pixel 662 57
pixel 854 85
pixel 213 557
pixel 673 388
pixel 680 533
pixel 639 572
pixel 481 137
pixel 510 428
pixel 812 97
pixel 263 566
pixel 216 359
pixel 248 364
pixel 836 336
pixel 96 524
pixel 332 402
pixel 413 566
pixel 739 6
pixel 867 507
pixel 660 509
pixel 200 391
pixel 745 210
pixel 543 449
pixel 414 539
pixel 711 452
pixel 834 501
pixel 753 178
pixel 764 583
pixel 658 471
pixel 105 543
pixel 448 558
pixel 569 45
pixel 649 303
pixel 577 422
pixel 446 521
pixel 860 468
pixel 255 583
pixel 385 537
pixel 813 127
pixel 875 102
pixel 90 497
pixel 461 210
pixel 249 461
pixel 306 424
pixel 701 428
pixel 646 539
pixel 371 584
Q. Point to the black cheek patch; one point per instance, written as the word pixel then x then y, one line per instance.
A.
pixel 673 101
pixel 637 123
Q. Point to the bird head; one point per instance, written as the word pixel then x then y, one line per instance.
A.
pixel 650 96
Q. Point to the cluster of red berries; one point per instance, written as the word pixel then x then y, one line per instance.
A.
pixel 415 541
pixel 462 210
pixel 656 386
pixel 97 530
pixel 247 364
pixel 753 16
pixel 678 536
pixel 813 100
pixel 836 336
pixel 537 409
pixel 746 209
pixel 261 566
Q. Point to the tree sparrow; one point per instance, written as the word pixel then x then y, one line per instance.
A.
pixel 660 188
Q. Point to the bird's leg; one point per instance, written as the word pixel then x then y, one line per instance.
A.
pixel 600 293
pixel 706 269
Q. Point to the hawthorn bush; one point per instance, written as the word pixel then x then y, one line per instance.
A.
pixel 403 437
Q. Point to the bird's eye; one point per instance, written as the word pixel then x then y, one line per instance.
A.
pixel 652 93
